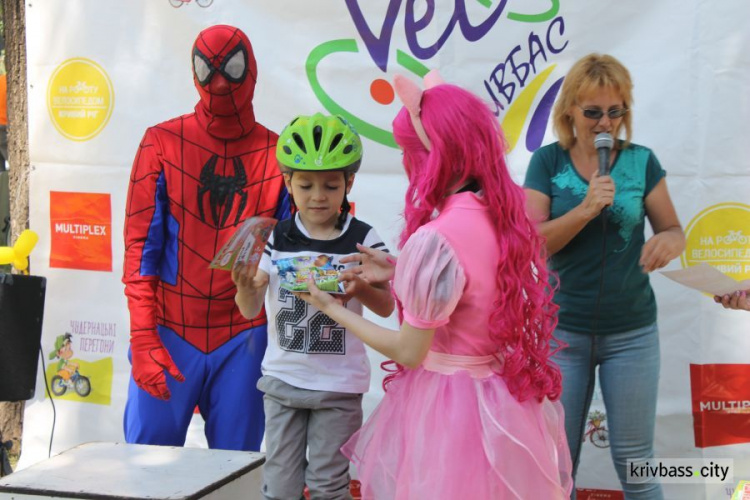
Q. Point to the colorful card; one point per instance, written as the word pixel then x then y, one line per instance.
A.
pixel 296 271
pixel 246 245
pixel 742 492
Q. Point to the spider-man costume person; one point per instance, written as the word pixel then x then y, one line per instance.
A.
pixel 194 180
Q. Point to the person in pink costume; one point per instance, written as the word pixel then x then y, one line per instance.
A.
pixel 472 411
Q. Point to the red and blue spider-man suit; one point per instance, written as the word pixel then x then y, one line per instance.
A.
pixel 194 180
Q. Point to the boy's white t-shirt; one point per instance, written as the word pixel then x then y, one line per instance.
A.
pixel 306 348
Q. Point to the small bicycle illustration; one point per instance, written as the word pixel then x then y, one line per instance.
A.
pixel 79 383
pixel 179 3
pixel 596 432
pixel 735 236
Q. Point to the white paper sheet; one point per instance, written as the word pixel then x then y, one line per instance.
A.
pixel 707 279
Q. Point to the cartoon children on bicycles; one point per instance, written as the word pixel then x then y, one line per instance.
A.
pixel 67 376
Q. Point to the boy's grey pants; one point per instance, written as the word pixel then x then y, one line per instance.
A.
pixel 316 422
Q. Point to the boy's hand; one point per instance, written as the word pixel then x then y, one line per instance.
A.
pixel 248 280
pixel 375 266
pixel 251 288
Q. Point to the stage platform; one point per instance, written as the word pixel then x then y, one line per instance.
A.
pixel 118 471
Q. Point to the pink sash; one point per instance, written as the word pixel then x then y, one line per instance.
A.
pixel 477 366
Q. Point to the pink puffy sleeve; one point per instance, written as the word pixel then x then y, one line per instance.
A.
pixel 429 280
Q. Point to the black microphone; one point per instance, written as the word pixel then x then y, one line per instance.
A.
pixel 603 143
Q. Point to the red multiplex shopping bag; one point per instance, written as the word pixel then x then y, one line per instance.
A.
pixel 721 404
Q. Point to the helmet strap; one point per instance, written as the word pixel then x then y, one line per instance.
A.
pixel 292 211
pixel 345 206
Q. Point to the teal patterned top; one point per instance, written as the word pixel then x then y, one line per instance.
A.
pixel 627 301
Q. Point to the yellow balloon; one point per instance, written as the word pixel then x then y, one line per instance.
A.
pixel 21 263
pixel 25 243
pixel 7 255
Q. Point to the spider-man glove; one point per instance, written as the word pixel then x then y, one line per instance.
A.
pixel 150 359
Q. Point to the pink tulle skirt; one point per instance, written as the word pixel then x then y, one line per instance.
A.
pixel 437 436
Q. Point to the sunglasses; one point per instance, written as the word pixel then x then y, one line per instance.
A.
pixel 596 113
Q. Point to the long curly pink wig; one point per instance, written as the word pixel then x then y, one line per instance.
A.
pixel 467 143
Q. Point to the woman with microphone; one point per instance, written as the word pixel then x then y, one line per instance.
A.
pixel 591 207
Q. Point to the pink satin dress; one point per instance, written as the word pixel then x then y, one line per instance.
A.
pixel 451 429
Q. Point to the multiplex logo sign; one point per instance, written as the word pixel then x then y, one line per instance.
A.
pixel 512 85
pixel 81 227
pixel 721 404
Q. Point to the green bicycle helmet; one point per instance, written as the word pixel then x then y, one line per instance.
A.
pixel 319 143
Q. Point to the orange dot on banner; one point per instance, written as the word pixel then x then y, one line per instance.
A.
pixel 381 91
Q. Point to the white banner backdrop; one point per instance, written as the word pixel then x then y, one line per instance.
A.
pixel 100 72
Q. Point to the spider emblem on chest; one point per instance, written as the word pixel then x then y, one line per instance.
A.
pixel 222 191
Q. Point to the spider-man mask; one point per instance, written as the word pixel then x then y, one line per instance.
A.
pixel 225 72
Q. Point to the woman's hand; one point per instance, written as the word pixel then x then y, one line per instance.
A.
pixel 660 249
pixel 376 297
pixel 323 301
pixel 668 241
pixel 376 266
pixel 354 284
pixel 407 346
pixel 601 194
pixel 736 300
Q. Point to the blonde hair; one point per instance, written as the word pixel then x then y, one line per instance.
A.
pixel 588 75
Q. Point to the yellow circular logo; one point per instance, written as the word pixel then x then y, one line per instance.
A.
pixel 80 99
pixel 720 237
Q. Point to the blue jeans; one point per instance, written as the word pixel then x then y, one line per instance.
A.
pixel 629 377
